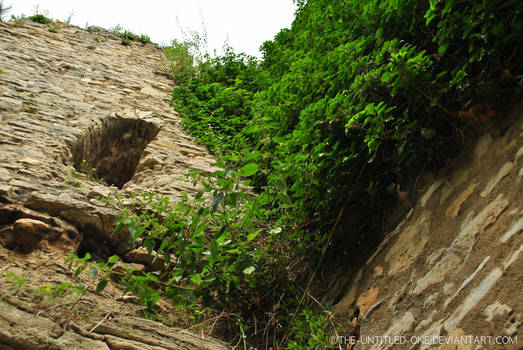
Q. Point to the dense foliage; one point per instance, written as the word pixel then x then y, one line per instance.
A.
pixel 354 94
pixel 218 104
pixel 352 97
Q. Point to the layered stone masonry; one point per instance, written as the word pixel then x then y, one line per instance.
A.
pixel 76 106
pixel 81 117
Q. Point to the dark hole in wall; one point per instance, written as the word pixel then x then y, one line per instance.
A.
pixel 98 247
pixel 112 152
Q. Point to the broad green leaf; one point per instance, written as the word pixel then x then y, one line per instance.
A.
pixel 429 16
pixel 79 270
pixel 213 247
pixel 281 185
pixel 443 47
pixel 101 285
pixel 278 139
pixel 149 245
pixel 199 229
pixel 253 235
pixel 249 270
pixel 252 129
pixel 387 76
pixel 248 169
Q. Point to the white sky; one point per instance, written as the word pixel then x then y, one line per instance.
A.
pixel 246 24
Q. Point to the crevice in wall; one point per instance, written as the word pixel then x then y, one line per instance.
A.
pixel 112 151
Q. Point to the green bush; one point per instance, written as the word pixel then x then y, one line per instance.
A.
pixel 39 18
pixel 354 95
pixel 144 39
pixel 180 60
pixel 223 255
pixel 128 36
pixel 216 100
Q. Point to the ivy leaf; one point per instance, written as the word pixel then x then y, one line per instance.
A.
pixel 101 285
pixel 248 169
pixel 149 245
pixel 79 271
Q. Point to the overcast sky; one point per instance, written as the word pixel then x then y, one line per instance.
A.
pixel 246 24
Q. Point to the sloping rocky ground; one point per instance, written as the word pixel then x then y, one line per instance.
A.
pixel 450 275
pixel 81 117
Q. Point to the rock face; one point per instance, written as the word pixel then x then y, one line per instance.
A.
pixel 74 110
pixel 450 275
pixel 81 117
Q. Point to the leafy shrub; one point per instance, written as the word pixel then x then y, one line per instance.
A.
pixel 144 39
pixel 217 103
pixel 184 55
pixel 117 29
pixel 226 256
pixel 39 18
pixel 18 20
pixel 128 36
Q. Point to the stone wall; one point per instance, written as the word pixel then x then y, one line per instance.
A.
pixel 78 100
pixel 82 116
pixel 453 266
